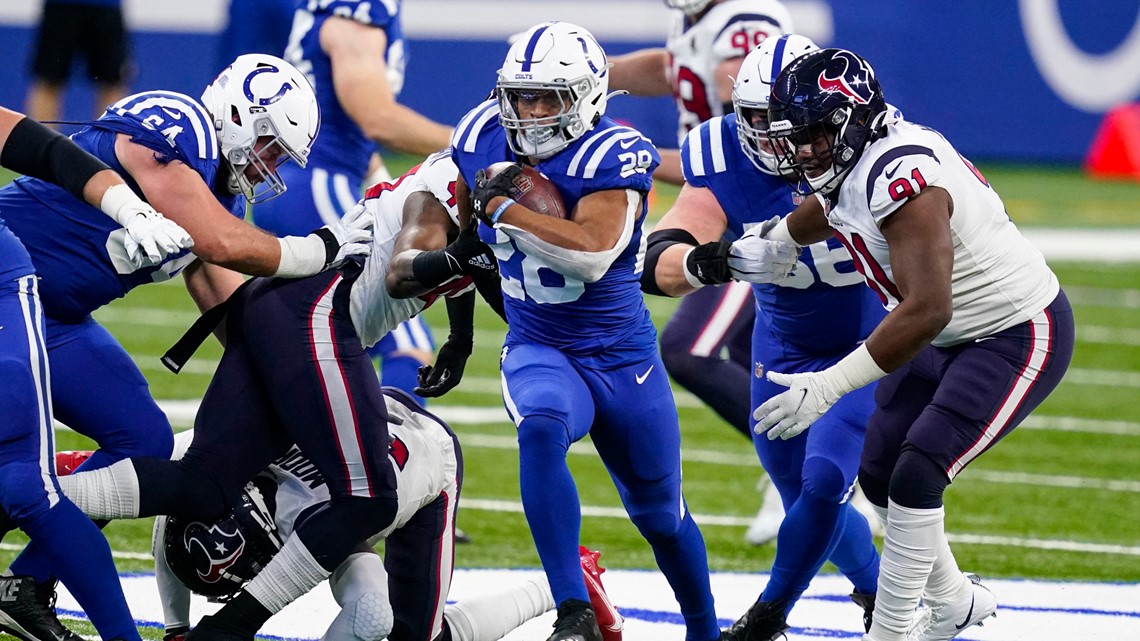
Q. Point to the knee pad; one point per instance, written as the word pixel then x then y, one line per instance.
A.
pixel 655 522
pixel 368 618
pixel 917 481
pixel 543 430
pixel 823 479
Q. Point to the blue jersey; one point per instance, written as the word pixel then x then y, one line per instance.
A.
pixel 77 249
pixel 823 307
pixel 542 305
pixel 342 146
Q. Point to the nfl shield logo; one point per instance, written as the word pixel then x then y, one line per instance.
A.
pixel 759 371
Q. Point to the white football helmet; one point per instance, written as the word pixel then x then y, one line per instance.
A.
pixel 753 89
pixel 557 62
pixel 260 95
pixel 690 7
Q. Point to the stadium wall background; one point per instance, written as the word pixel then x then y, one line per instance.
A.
pixel 1012 80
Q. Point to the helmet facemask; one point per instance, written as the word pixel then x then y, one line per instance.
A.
pixel 752 127
pixel 544 136
pixel 835 144
pixel 265 154
pixel 690 7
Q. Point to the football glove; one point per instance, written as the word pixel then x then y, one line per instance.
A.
pixel 150 237
pixel 501 184
pixel 755 259
pixel 440 378
pixel 350 236
pixel 789 413
pixel 471 254
pixel 708 263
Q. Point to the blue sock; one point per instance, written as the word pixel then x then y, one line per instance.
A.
pixel 684 562
pixel 550 500
pixel 402 372
pixel 81 558
pixel 855 554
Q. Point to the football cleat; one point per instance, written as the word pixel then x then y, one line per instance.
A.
pixel 945 621
pixel 213 628
pixel 867 602
pixel 177 633
pixel 27 611
pixel 461 536
pixel 67 461
pixel 766 524
pixel 575 622
pixel 764 621
pixel 610 621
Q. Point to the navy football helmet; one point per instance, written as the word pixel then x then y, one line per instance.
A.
pixel 217 559
pixel 825 108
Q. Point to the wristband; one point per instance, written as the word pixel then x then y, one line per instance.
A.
pixel 690 278
pixel 300 256
pixel 433 268
pixel 118 198
pixel 781 233
pixel 500 210
pixel 855 370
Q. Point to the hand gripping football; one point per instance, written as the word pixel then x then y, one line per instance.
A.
pixel 534 191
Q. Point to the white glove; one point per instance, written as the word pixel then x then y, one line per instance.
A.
pixel 150 237
pixel 788 413
pixel 353 233
pixel 755 259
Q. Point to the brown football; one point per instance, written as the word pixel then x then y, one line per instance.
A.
pixel 534 191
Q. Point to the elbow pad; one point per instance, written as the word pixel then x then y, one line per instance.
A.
pixel 655 245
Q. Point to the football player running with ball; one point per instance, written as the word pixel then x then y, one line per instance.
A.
pixel 810 320
pixel 580 354
pixel 977 335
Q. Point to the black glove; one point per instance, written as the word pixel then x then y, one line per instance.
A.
pixel 439 379
pixel 708 263
pixel 473 255
pixel 501 184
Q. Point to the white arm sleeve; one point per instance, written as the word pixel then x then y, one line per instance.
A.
pixel 174 596
pixel 587 267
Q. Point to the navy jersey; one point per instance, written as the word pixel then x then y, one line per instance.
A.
pixel 542 305
pixel 342 145
pixel 77 249
pixel 823 307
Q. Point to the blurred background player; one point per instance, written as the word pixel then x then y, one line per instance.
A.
pixel 977 335
pixel 90 29
pixel 397 596
pixel 808 320
pixel 70 544
pixel 706 343
pixel 580 355
pixel 254 26
pixel 353 52
pixel 166 144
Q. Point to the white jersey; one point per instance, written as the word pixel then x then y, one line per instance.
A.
pixel 374 313
pixel 999 279
pixel 729 29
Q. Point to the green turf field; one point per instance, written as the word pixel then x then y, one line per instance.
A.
pixel 1058 499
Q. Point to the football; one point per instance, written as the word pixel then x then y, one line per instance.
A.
pixel 534 191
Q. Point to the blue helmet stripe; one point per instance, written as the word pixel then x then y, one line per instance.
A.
pixel 530 46
pixel 776 59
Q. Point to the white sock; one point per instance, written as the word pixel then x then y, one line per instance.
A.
pixel 490 617
pixel 909 551
pixel 290 574
pixel 110 492
pixel 946 582
pixel 360 587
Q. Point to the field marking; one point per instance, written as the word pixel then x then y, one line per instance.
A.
pixel 1117 298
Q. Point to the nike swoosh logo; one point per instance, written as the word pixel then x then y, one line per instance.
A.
pixel 891 172
pixel 803 395
pixel 641 378
pixel 173 114
pixel 984 338
pixel 968 615
pixel 626 144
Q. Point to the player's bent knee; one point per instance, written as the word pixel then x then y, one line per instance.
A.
pixel 368 618
pixel 656 525
pixel 823 479
pixel 22 492
pixel 917 481
pixel 542 429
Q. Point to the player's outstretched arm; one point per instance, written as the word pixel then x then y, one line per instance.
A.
pixel 222 239
pixel 642 73
pixel 32 149
pixel 694 219
pixel 360 80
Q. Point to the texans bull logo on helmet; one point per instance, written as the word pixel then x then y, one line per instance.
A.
pixel 848 75
pixel 213 549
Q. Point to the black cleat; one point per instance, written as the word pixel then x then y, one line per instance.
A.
pixel 461 536
pixel 764 621
pixel 576 622
pixel 867 602
pixel 27 611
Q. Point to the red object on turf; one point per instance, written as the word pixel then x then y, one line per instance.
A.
pixel 67 461
pixel 535 191
pixel 1115 151
pixel 610 621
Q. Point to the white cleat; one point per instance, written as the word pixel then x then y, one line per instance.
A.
pixel 947 620
pixel 766 524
